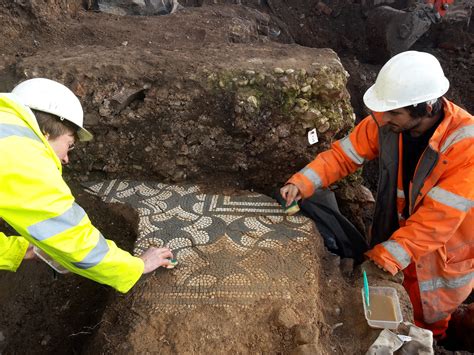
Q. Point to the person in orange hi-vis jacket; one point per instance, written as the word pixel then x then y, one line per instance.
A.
pixel 424 221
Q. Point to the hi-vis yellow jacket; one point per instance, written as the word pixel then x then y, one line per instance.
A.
pixel 438 236
pixel 37 203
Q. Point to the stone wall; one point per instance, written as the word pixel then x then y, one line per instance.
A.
pixel 237 115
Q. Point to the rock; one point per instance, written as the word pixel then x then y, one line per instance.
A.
pixel 305 334
pixel 91 119
pixel 283 131
pixel 2 337
pixel 306 88
pixel 286 317
pixel 253 101
pixel 46 340
pixel 124 97
pixel 302 103
pixel 321 6
pixel 324 127
pixel 168 144
pixel 364 194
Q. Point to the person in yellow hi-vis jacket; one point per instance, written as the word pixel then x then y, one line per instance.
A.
pixel 39 123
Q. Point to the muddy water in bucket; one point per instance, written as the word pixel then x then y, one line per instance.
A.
pixel 381 308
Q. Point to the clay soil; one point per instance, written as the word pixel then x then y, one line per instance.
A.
pixel 44 313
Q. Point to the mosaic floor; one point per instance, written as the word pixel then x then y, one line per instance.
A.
pixel 231 250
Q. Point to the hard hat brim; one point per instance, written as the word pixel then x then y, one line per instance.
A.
pixel 84 135
pixel 374 103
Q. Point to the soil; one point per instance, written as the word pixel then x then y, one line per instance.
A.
pixel 44 313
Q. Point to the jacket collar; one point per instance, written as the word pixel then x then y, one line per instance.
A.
pixel 445 127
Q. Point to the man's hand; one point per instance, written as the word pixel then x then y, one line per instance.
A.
pixel 30 254
pixel 290 193
pixel 377 272
pixel 155 257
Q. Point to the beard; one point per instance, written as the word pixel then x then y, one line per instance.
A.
pixel 407 127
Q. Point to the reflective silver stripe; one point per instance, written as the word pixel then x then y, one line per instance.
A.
pixel 312 176
pixel 50 227
pixel 95 256
pixel 458 135
pixel 11 130
pixel 350 151
pixel 398 252
pixel 450 199
pixel 400 193
pixel 440 282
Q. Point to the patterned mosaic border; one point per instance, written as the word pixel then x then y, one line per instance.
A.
pixel 231 249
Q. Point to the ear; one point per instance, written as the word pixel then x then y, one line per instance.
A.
pixel 429 109
pixel 46 135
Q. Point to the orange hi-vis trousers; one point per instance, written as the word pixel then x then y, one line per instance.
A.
pixel 411 285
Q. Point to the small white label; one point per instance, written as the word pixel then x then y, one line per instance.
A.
pixel 404 338
pixel 312 136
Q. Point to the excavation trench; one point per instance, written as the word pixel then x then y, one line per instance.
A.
pixel 249 278
pixel 209 97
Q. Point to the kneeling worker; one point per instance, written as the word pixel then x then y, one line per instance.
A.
pixel 424 220
pixel 39 123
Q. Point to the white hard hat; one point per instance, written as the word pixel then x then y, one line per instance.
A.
pixel 52 97
pixel 408 78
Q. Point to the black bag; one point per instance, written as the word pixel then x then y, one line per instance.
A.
pixel 340 236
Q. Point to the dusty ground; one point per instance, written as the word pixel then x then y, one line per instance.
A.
pixel 69 310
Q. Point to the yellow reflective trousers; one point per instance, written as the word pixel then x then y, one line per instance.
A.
pixel 37 203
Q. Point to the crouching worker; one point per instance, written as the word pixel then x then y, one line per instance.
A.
pixel 40 121
pixel 424 221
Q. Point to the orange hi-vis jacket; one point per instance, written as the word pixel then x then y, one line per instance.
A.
pixel 438 235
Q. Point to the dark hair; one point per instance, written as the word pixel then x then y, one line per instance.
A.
pixel 420 110
pixel 54 127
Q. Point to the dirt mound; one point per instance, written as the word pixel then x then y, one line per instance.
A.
pixel 21 19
